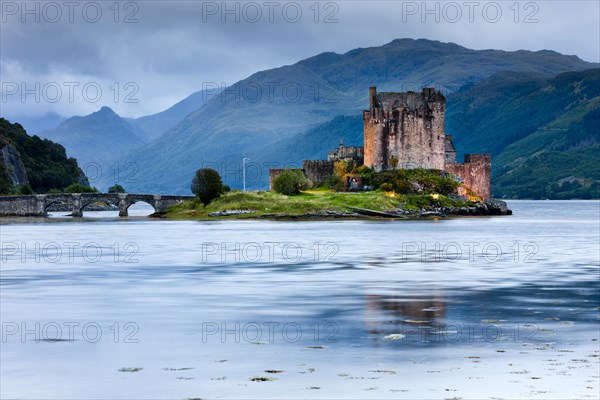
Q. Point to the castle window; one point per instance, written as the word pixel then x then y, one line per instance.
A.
pixel 429 144
pixel 438 138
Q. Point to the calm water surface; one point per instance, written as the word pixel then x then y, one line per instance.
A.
pixel 136 308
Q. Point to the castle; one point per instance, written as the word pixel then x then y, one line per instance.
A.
pixel 347 153
pixel 404 131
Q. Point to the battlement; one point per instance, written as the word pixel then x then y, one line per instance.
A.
pixel 478 158
pixel 413 101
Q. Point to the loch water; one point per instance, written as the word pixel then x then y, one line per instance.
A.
pixel 104 307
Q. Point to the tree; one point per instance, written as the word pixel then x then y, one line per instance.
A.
pixel 79 188
pixel 46 163
pixel 207 185
pixel 291 181
pixel 336 183
pixel 116 189
pixel 26 189
pixel 342 167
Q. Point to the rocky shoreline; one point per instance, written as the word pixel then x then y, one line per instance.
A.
pixel 487 208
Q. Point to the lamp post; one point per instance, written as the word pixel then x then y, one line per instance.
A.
pixel 244 169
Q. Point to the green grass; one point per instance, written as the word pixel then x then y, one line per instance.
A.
pixel 306 202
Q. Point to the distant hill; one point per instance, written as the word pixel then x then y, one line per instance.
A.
pixel 156 124
pixel 543 132
pixel 315 143
pixel 31 160
pixel 98 137
pixel 273 105
pixel 38 124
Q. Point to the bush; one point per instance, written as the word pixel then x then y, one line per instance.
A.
pixel 291 181
pixel 414 181
pixel 79 188
pixel 116 189
pixel 207 185
pixel 387 187
pixel 336 183
pixel 25 189
pixel 368 174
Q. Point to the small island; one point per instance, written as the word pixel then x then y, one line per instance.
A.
pixel 406 169
pixel 328 204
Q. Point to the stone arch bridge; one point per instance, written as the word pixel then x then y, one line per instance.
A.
pixel 37 205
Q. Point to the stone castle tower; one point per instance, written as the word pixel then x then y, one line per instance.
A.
pixel 405 130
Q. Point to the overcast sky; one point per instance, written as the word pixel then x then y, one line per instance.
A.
pixel 143 56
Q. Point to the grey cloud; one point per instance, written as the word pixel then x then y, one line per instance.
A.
pixel 173 47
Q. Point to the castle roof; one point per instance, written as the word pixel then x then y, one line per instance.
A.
pixel 449 145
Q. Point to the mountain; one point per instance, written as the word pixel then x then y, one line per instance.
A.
pixel 30 160
pixel 277 104
pixel 543 132
pixel 315 143
pixel 96 138
pixel 156 124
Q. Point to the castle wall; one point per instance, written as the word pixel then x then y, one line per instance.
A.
pixel 317 170
pixel 273 173
pixel 450 153
pixel 418 141
pixel 374 149
pixel 407 126
pixel 475 173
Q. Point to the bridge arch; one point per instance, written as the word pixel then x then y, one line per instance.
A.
pixel 52 202
pixel 86 202
pixel 138 201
